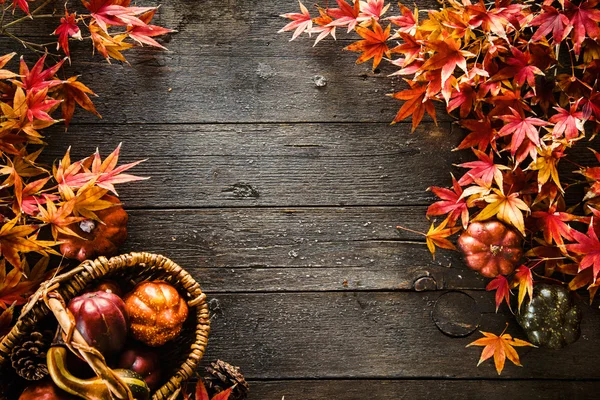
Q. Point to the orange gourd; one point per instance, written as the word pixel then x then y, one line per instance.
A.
pixel 156 312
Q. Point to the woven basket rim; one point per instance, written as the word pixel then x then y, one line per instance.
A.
pixel 72 283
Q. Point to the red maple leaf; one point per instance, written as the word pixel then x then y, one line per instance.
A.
pixel 484 169
pixel 591 105
pixel 115 12
pixel 451 203
pixel 520 68
pixel 553 225
pixel 374 44
pixel 588 248
pixel 415 104
pixel 38 78
pixel 301 22
pixel 38 105
pixel 345 15
pixel 500 285
pixel 520 127
pixel 551 20
pixel 411 49
pixel 407 20
pixel 584 19
pixel 67 29
pixel 494 20
pixel 481 134
pixel 567 123
pixel 202 393
pixel 463 98
pixel 22 4
pixel 372 9
pixel 143 34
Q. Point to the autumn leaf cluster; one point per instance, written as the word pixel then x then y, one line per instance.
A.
pixel 522 80
pixel 40 205
pixel 112 26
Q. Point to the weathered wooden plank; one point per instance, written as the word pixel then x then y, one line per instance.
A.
pixel 422 389
pixel 373 335
pixel 288 249
pixel 273 165
pixel 280 164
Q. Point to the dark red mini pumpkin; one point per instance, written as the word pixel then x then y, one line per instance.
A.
pixel 145 362
pixel 491 248
pixel 102 320
pixel 97 239
pixel 45 390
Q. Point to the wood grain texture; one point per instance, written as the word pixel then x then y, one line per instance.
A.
pixel 422 390
pixel 273 165
pixel 373 335
pixel 304 249
pixel 282 197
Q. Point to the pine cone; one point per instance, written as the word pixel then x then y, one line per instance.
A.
pixel 222 376
pixel 29 358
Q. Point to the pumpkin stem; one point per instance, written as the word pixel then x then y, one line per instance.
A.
pixel 495 249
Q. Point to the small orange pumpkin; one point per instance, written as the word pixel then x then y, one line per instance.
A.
pixel 97 239
pixel 156 312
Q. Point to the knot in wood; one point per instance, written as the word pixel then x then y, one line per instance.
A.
pixel 425 283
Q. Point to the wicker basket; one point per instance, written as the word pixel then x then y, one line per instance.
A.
pixel 184 353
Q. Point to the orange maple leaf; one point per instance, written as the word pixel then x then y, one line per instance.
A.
pixel 447 56
pixel 437 236
pixel 374 44
pixel 500 347
pixel 72 91
pixel 59 218
pixel 20 282
pixel 415 104
pixel 15 239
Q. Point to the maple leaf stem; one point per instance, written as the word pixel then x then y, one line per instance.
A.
pixel 2 17
pixel 30 16
pixel 411 230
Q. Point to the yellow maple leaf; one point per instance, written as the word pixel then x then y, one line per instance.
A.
pixel 507 209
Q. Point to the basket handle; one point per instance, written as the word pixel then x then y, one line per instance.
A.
pixel 65 319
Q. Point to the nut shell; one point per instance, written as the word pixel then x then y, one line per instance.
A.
pixel 156 312
pixel 491 248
